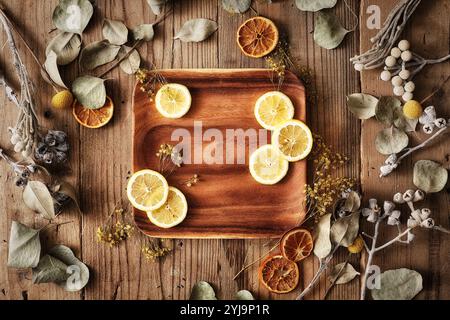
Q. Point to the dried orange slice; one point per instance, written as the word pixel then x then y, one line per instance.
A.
pixel 257 37
pixel 93 118
pixel 296 245
pixel 279 274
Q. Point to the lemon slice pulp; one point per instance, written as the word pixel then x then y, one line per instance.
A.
pixel 268 166
pixel 173 211
pixel 273 109
pixel 147 190
pixel 293 139
pixel 173 101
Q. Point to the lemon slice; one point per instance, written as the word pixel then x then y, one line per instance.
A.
pixel 273 109
pixel 147 190
pixel 293 139
pixel 173 100
pixel 268 166
pixel 172 213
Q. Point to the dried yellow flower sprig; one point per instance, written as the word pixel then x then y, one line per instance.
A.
pixel 151 81
pixel 155 250
pixel 325 190
pixel 116 229
pixel 169 159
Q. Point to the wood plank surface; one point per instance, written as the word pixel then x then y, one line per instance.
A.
pixel 100 159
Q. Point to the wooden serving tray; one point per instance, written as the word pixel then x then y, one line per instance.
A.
pixel 227 202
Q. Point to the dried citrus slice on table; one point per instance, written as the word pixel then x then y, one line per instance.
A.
pixel 279 274
pixel 172 212
pixel 147 190
pixel 273 109
pixel 293 139
pixel 268 166
pixel 296 245
pixel 257 37
pixel 93 118
pixel 173 100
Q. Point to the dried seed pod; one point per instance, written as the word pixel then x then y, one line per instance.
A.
pixel 425 213
pixel 398 198
pixel 428 128
pixel 428 223
pixel 386 75
pixel 410 237
pixel 440 123
pixel 419 195
pixel 406 56
pixel 404 45
pixel 396 52
pixel 416 215
pixel 394 218
pixel 408 195
pixel 412 223
pixel 388 207
pixel 410 86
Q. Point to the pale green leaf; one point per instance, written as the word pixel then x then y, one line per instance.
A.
pixel 24 247
pixel 157 6
pixel 90 91
pixel 97 54
pixel 385 110
pixel 314 5
pixel 73 15
pixel 144 32
pixel 203 291
pixel 430 176
pixel 328 31
pixel 399 284
pixel 131 64
pixel 37 197
pixel 67 47
pixel 196 30
pixel 49 270
pixel 115 32
pixel 322 242
pixel 343 272
pixel 362 105
pixel 51 66
pixel 390 141
pixel 236 6
pixel 345 230
pixel 244 295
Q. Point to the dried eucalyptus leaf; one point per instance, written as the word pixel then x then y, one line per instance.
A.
pixel 131 64
pixel 399 284
pixel 97 54
pixel 236 6
pixel 328 31
pixel 314 5
pixel 115 32
pixel 67 47
pixel 144 32
pixel 385 109
pixel 430 176
pixel 345 276
pixel 362 105
pixel 352 203
pixel 49 270
pixel 203 291
pixel 196 30
pixel 345 230
pixel 244 295
pixel 390 141
pixel 90 91
pixel 78 272
pixel 157 6
pixel 51 66
pixel 37 197
pixel 73 15
pixel 322 242
pixel 402 123
pixel 24 248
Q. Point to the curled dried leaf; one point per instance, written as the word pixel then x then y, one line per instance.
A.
pixel 343 273
pixel 399 284
pixel 345 230
pixel 196 30
pixel 49 270
pixel 115 32
pixel 236 6
pixel 202 290
pixel 37 197
pixel 391 141
pixel 362 105
pixel 157 6
pixel 131 64
pixel 90 91
pixel 314 5
pixel 429 176
pixel 24 247
pixel 328 31
pixel 322 242
pixel 97 54
pixel 144 32
pixel 51 66
pixel 67 47
pixel 73 15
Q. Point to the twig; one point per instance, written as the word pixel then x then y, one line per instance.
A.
pixel 435 91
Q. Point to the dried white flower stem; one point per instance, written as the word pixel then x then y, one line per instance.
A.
pixel 409 151
pixel 416 65
pixel 322 267
pixel 386 38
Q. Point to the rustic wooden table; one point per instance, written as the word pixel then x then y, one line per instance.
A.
pixel 100 159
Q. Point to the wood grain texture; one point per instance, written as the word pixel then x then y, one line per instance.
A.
pixel 228 202
pixel 101 162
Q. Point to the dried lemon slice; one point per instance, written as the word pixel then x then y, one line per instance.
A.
pixel 268 166
pixel 173 211
pixel 173 100
pixel 147 190
pixel 273 109
pixel 294 140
